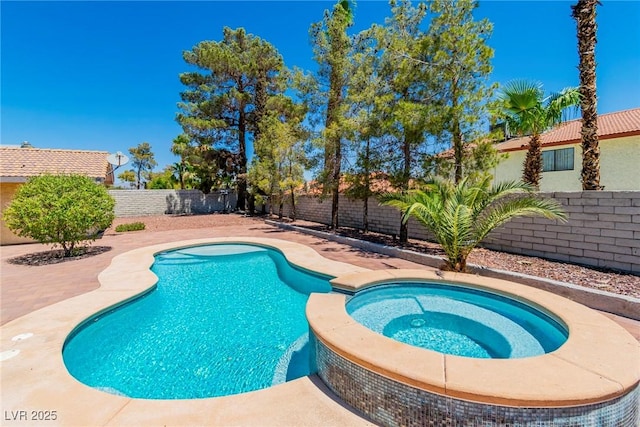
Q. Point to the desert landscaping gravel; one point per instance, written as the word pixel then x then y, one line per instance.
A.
pixel 623 284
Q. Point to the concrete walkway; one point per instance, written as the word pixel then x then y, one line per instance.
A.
pixel 28 288
pixel 25 289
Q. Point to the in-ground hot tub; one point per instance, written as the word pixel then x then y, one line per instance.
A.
pixel 590 379
pixel 457 320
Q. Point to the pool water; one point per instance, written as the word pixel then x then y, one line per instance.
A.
pixel 457 320
pixel 223 319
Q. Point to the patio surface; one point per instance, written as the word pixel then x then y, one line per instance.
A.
pixel 303 402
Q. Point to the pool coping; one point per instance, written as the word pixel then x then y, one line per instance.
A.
pixel 577 373
pixel 621 305
pixel 36 381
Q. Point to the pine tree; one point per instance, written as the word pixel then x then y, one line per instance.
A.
pixel 332 46
pixel 221 107
pixel 142 160
pixel 455 47
pixel 406 101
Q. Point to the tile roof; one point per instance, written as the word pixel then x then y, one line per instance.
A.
pixel 16 162
pixel 611 125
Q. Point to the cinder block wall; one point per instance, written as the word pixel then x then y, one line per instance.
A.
pixel 603 229
pixel 160 202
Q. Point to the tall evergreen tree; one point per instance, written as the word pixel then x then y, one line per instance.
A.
pixel 278 165
pixel 218 109
pixel 143 161
pixel 332 46
pixel 405 104
pixel 363 123
pixel 455 47
pixel 584 12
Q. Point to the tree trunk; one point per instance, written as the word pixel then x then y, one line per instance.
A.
pixel 242 158
pixel 334 175
pixel 406 174
pixel 336 189
pixel 181 174
pixel 251 203
pixel 584 12
pixel 293 205
pixel 458 147
pixel 533 162
pixel 365 215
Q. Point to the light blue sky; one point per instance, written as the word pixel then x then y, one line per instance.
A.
pixel 104 75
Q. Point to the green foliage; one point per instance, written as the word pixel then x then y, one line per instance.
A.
pixel 128 176
pixel 60 210
pixel 478 163
pixel 182 173
pixel 131 226
pixel 143 162
pixel 162 180
pixel 461 216
pixel 278 166
pixel 332 47
pixel 401 103
pixel 223 104
pixel 459 58
pixel 528 112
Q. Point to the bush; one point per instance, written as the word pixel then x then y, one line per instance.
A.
pixel 132 226
pixel 60 210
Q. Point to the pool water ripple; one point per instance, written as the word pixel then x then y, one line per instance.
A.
pixel 456 320
pixel 218 323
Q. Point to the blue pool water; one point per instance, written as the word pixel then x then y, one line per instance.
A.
pixel 223 319
pixel 457 320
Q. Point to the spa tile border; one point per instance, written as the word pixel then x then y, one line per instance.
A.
pixel 597 363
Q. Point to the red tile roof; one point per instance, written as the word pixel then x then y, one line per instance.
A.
pixel 611 125
pixel 17 163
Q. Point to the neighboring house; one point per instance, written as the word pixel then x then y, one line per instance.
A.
pixel 619 141
pixel 18 164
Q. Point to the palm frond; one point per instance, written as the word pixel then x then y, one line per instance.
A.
pixel 460 216
pixel 562 104
pixel 521 206
pixel 520 95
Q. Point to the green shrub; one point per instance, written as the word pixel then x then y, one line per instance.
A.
pixel 60 209
pixel 132 226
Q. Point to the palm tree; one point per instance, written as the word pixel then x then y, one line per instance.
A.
pixel 461 215
pixel 584 12
pixel 528 112
pixel 181 147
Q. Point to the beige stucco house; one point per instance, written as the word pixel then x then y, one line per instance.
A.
pixel 18 164
pixel 619 140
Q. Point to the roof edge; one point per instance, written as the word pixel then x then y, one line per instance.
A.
pixel 569 142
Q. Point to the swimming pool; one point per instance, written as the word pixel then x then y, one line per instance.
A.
pixel 223 319
pixel 457 320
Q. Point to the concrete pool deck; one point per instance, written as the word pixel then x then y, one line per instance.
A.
pixel 35 380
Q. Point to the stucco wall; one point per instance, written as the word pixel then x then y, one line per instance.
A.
pixel 160 202
pixel 619 167
pixel 7 191
pixel 140 203
pixel 603 228
pixel 620 164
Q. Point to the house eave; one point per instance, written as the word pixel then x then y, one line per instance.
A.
pixel 572 141
pixel 23 179
pixel 13 179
